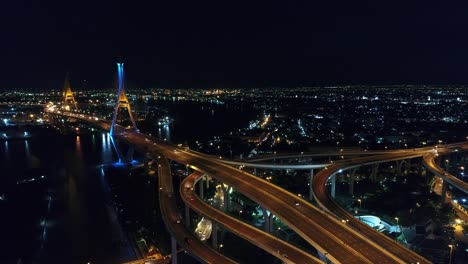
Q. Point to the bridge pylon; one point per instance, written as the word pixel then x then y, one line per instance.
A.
pixel 69 102
pixel 121 101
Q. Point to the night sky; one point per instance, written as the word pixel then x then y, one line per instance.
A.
pixel 184 44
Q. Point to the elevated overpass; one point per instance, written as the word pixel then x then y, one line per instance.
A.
pixel 277 247
pixel 336 235
pixel 337 241
pixel 172 219
pixel 430 164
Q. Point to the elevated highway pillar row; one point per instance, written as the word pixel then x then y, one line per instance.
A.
pixel 268 226
pixel 311 178
pixel 420 166
pixel 270 223
pixel 200 186
pixel 375 170
pixel 146 163
pixel 444 191
pixel 207 181
pixel 398 168
pixel 333 185
pixel 214 236
pixel 187 216
pixel 225 197
pixel 351 182
pixel 173 250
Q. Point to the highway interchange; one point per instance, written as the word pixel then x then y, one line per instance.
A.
pixel 349 242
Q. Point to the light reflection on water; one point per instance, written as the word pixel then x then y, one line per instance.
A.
pixel 6 151
pixel 69 195
pixel 78 145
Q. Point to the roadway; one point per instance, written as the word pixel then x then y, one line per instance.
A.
pixel 430 164
pixel 324 199
pixel 254 162
pixel 277 247
pixel 337 241
pixel 171 217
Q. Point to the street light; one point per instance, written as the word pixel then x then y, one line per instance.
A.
pixel 398 227
pixel 451 249
pixel 359 200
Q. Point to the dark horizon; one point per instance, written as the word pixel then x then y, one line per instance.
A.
pixel 226 45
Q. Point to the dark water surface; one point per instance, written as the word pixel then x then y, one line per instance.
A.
pixel 199 121
pixel 55 203
pixel 56 208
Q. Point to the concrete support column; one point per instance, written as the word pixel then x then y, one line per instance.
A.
pixel 147 167
pixel 444 191
pixel 375 169
pixel 200 186
pixel 351 185
pixel 266 217
pixel 323 257
pixel 187 216
pixel 398 168
pixel 214 236
pixel 225 197
pixel 420 166
pixel 333 187
pixel 130 153
pixel 270 223
pixel 173 250
pixel 311 178
pixel 352 179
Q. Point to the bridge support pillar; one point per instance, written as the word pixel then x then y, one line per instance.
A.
pixel 128 157
pixel 268 226
pixel 351 186
pixel 146 164
pixel 444 191
pixel 173 250
pixel 398 168
pixel 375 170
pixel 214 236
pixel 225 197
pixel 333 186
pixel 270 223
pixel 200 186
pixel 311 178
pixel 130 153
pixel 187 216
pixel 420 166
pixel 351 182
pixel 323 257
